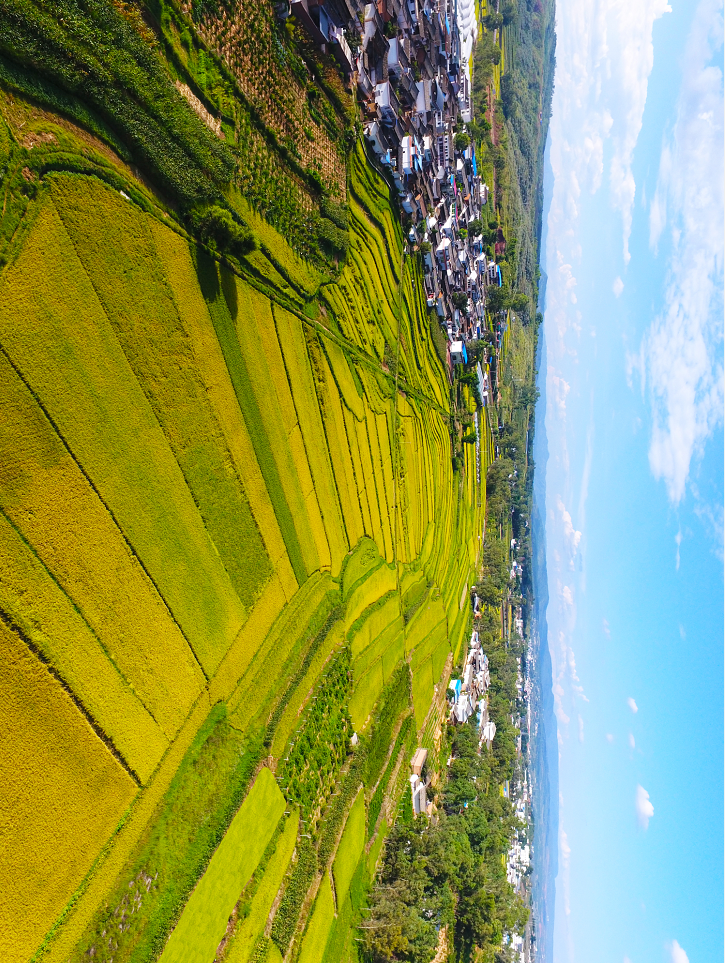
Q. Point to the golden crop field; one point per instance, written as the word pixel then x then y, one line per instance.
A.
pixel 209 488
pixel 63 796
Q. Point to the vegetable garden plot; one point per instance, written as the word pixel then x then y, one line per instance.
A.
pixel 350 849
pixel 319 925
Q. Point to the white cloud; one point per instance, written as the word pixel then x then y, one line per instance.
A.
pixel 631 741
pixel 632 705
pixel 565 851
pixel 610 738
pixel 581 729
pixel 682 346
pixel 678 542
pixel 643 807
pixel 677 954
pixel 571 536
pixel 632 60
pixel 605 627
pixel 617 286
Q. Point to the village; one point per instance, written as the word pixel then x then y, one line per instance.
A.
pixel 467 697
pixel 410 61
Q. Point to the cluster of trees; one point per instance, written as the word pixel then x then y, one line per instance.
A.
pixel 449 872
pixel 220 230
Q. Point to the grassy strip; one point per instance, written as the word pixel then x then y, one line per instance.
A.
pixel 350 849
pixel 319 925
pixel 205 916
pixel 189 823
pixel 251 926
pixel 225 328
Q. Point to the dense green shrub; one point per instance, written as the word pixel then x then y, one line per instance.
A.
pixel 217 227
pixel 332 237
pixel 335 212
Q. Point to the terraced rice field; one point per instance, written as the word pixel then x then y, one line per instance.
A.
pixel 208 489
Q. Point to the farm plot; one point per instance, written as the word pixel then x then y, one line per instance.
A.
pixel 154 339
pixel 350 849
pixel 205 916
pixel 173 251
pixel 63 796
pixel 49 500
pixel 68 353
pixel 252 926
pixel 299 372
pixel 32 599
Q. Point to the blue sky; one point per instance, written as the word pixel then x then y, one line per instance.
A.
pixel 634 482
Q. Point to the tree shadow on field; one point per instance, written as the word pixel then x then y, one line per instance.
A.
pixel 214 279
pixel 207 272
pixel 229 287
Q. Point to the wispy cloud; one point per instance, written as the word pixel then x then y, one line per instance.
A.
pixel 631 741
pixel 572 537
pixel 681 348
pixel 617 286
pixel 677 954
pixel 565 850
pixel 633 57
pixel 643 807
pixel 632 705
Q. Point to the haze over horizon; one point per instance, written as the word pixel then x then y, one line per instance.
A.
pixel 634 481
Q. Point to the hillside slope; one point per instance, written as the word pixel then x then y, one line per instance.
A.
pixel 221 486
